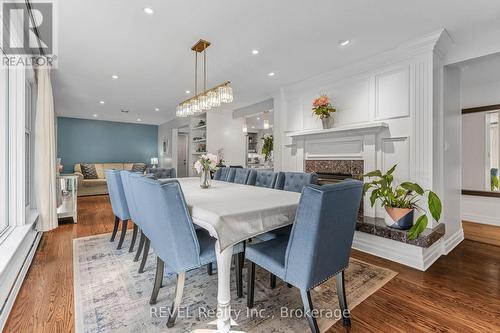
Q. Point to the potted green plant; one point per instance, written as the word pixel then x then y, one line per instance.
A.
pixel 401 201
pixel 267 147
pixel 323 108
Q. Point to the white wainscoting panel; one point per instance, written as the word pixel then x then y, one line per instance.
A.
pixel 396 151
pixel 392 94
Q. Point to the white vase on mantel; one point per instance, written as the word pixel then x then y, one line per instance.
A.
pixel 327 122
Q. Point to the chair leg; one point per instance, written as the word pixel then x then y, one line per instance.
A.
pixel 134 236
pixel 250 284
pixel 115 229
pixel 139 248
pixel 144 255
pixel 210 269
pixel 122 236
pixel 158 280
pixel 239 274
pixel 179 289
pixel 272 280
pixel 308 308
pixel 339 279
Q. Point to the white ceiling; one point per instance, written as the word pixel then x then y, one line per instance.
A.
pixel 296 40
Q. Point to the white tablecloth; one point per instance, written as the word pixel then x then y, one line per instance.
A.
pixel 233 212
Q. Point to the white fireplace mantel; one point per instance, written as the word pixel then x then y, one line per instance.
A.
pixel 361 128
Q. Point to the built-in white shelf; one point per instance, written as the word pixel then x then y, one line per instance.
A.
pixel 199 152
pixel 199 127
pixel 353 128
pixel 201 140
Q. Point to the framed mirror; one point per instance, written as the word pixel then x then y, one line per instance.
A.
pixel 481 151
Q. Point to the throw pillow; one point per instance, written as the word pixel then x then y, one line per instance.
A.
pixel 138 167
pixel 88 171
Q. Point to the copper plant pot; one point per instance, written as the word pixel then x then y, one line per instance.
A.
pixel 399 218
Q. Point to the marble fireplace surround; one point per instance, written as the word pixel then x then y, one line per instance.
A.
pixel 355 168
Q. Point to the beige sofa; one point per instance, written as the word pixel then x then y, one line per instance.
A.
pixel 97 186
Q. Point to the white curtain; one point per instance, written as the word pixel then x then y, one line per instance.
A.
pixel 45 153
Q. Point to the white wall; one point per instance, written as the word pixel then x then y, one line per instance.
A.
pixel 478 209
pixel 169 159
pixel 474 151
pixel 451 150
pixel 222 132
pixel 225 132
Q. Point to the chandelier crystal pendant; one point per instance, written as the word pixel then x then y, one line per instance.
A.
pixel 208 98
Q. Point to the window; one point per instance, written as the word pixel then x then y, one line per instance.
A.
pixel 4 150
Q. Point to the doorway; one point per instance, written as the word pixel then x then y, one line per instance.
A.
pixel 182 154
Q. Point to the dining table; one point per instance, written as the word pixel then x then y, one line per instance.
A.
pixel 233 213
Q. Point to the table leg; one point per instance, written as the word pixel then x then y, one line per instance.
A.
pixel 223 288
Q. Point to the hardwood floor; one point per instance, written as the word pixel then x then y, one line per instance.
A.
pixel 459 293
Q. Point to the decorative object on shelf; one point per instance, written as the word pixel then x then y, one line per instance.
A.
pixel 323 108
pixel 205 164
pixel 208 98
pixel 154 162
pixel 59 166
pixel 267 147
pixel 401 201
pixel 494 179
pixel 201 148
pixel 220 157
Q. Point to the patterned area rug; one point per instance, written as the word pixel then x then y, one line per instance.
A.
pixel 110 296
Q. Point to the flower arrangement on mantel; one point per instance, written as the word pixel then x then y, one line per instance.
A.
pixel 322 108
pixel 205 164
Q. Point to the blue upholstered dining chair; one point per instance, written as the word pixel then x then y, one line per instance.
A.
pixel 165 220
pixel 262 178
pixel 318 247
pixel 221 174
pixel 119 206
pixel 161 173
pixel 238 175
pixel 143 241
pixel 294 181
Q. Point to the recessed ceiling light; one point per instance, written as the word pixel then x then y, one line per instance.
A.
pixel 101 102
pixel 344 42
pixel 138 119
pixel 187 92
pixel 255 51
pixel 258 118
pixel 271 74
pixel 95 115
pixel 114 77
pixel 157 109
pixel 149 10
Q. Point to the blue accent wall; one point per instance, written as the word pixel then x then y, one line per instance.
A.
pixel 97 141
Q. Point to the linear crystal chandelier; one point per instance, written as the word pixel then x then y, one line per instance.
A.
pixel 208 98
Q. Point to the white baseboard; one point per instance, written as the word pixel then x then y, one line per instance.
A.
pixel 451 242
pixel 482 219
pixel 409 255
pixel 31 244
